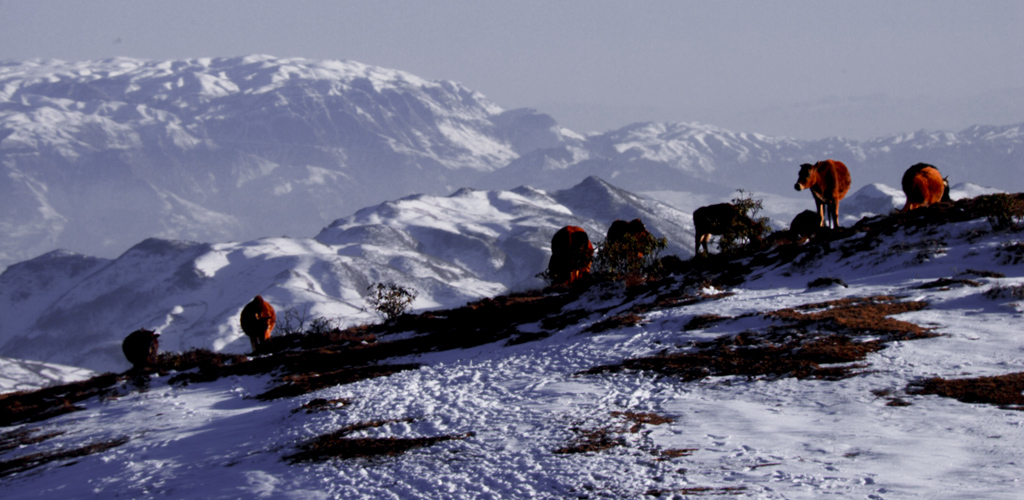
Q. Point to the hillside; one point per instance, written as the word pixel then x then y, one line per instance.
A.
pixel 881 361
pixel 74 309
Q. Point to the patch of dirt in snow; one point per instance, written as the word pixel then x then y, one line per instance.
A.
pixel 810 337
pixel 1005 391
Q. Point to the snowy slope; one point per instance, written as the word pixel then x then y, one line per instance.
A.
pixel 68 308
pixel 511 407
pixel 24 375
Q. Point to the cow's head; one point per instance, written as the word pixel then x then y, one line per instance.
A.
pixel 808 176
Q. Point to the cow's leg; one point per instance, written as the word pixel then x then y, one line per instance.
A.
pixel 835 214
pixel 702 240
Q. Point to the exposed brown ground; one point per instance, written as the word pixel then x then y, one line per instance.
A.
pixel 811 338
pixel 338 444
pixel 1005 391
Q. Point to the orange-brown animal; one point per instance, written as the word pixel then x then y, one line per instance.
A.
pixel 828 181
pixel 140 347
pixel 571 255
pixel 924 185
pixel 718 219
pixel 258 319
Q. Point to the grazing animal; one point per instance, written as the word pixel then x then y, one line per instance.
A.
pixel 258 319
pixel 571 255
pixel 140 347
pixel 620 228
pixel 828 181
pixel 924 185
pixel 719 219
pixel 805 223
pixel 635 228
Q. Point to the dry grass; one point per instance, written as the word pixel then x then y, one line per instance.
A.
pixel 49 402
pixel 1015 292
pixel 815 335
pixel 615 322
pixel 671 453
pixel 984 274
pixel 33 460
pixel 700 491
pixel 640 419
pixel 1004 391
pixel 322 404
pixel 591 441
pixel 859 316
pixel 299 384
pixel 1012 253
pixel 24 436
pixel 824 282
pixel 339 445
pixel 606 437
pixel 947 283
pixel 703 321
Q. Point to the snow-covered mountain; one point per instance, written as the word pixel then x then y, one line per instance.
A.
pixel 98 155
pixel 73 309
pixel 593 399
pixel 26 375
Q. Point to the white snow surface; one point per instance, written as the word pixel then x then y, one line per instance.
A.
pixel 25 375
pixel 764 437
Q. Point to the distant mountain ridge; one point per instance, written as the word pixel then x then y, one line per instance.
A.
pixel 99 155
pixel 74 309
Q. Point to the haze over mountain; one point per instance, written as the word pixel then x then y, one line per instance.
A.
pixel 99 155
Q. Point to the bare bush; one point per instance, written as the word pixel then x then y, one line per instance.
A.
pixel 390 300
pixel 1004 211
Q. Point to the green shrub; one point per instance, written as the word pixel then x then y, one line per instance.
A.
pixel 631 258
pixel 743 233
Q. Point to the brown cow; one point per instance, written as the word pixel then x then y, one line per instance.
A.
pixel 571 255
pixel 635 228
pixel 828 181
pixel 924 185
pixel 620 228
pixel 719 219
pixel 258 319
pixel 140 347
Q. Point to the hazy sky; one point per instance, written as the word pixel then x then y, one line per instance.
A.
pixel 803 68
